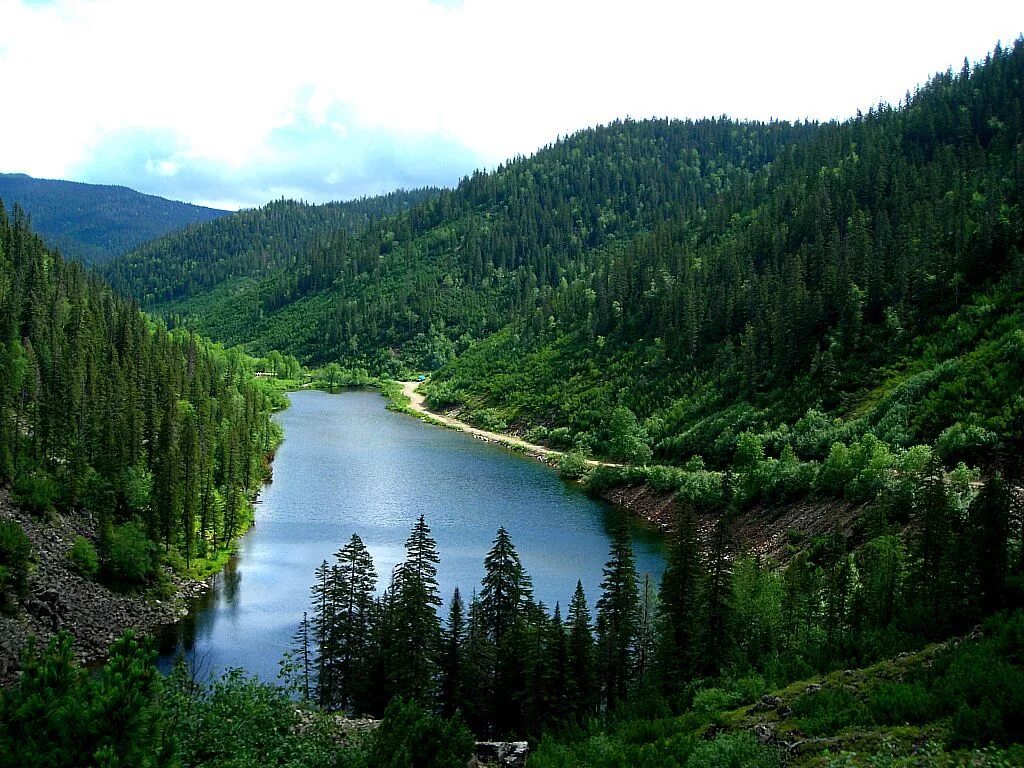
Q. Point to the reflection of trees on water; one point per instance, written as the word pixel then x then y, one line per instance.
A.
pixel 229 581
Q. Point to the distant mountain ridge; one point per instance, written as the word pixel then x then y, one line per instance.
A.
pixel 95 223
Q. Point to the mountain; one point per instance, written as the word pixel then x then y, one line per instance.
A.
pixel 96 222
pixel 248 244
pixel 807 284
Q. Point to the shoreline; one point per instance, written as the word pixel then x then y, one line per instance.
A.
pixel 61 599
pixel 416 406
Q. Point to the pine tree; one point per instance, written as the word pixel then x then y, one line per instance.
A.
pixel 617 620
pixel 582 672
pixel 506 589
pixel 352 594
pixel 453 663
pixel 417 627
pixel 679 627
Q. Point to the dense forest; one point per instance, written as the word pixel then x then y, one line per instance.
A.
pixel 705 278
pixel 160 437
pixel 252 243
pixel 95 223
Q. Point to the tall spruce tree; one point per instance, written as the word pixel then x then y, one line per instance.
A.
pixel 679 618
pixel 617 619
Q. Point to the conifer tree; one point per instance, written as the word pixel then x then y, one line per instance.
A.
pixel 679 628
pixel 453 661
pixel 617 619
pixel 582 671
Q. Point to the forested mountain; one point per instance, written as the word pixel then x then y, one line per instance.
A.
pixel 159 436
pixel 468 261
pixel 707 278
pixel 252 243
pixel 96 222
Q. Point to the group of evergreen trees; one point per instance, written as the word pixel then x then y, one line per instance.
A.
pixel 105 411
pixel 510 666
pixel 673 269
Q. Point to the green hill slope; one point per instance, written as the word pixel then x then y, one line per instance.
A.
pixel 96 222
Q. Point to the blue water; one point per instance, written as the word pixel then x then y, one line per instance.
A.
pixel 348 465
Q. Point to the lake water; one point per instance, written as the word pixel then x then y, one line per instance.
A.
pixel 348 465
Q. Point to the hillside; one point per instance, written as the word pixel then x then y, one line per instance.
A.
pixel 687 283
pixel 272 240
pixel 96 222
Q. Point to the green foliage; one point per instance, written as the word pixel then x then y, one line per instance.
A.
pixel 825 712
pixel 83 557
pixel 15 556
pixel 237 721
pixel 104 410
pixel 60 715
pixel 412 736
pixel 36 491
pixel 130 559
pixel 733 750
pixel 900 703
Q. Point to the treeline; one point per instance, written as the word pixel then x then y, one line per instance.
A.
pixel 250 243
pixel 96 222
pixel 512 666
pixel 159 436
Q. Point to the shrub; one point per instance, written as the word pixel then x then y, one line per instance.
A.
pixel 902 703
pixel 733 750
pixel 411 736
pixel 828 711
pixel 130 558
pixel 83 556
pixel 35 491
pixel 711 701
pixel 572 465
pixel 15 551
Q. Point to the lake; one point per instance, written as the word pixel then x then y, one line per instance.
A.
pixel 348 465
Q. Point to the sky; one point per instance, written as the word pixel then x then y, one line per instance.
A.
pixel 233 104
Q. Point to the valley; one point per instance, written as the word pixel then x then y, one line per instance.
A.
pixel 792 349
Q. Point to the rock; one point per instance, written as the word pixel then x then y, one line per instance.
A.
pixel 771 701
pixel 507 754
pixel 765 733
pixel 812 688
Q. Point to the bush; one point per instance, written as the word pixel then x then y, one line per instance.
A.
pixel 131 557
pixel 711 701
pixel 572 465
pixel 35 491
pixel 828 711
pixel 15 551
pixel 83 556
pixel 733 750
pixel 410 736
pixel 902 703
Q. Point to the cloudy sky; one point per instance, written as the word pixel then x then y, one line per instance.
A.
pixel 235 103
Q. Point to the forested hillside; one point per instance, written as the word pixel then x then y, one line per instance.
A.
pixel 467 262
pixel 95 222
pixel 275 238
pixel 695 281
pixel 159 437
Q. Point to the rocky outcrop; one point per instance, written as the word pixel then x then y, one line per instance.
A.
pixel 502 754
pixel 772 531
pixel 60 598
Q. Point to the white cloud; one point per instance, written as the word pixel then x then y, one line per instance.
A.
pixel 493 77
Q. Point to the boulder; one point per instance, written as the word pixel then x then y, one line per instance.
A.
pixel 507 754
